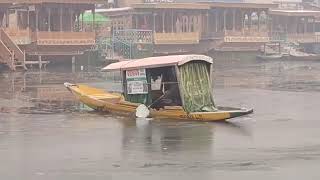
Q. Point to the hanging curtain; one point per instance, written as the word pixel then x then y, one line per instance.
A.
pixel 196 86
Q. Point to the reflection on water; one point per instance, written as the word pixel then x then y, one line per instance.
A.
pixel 46 134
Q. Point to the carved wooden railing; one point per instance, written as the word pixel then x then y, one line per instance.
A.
pixel 134 36
pixel 304 38
pixel 246 36
pixel 177 38
pixel 64 38
pixel 19 36
pixel 239 36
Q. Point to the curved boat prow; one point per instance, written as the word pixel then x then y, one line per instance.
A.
pixel 67 85
pixel 242 112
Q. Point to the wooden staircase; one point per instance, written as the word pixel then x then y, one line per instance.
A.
pixel 10 53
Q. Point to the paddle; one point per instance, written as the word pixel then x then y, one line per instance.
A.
pixel 143 111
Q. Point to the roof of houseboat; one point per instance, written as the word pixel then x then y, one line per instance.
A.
pixel 155 62
pixel 253 5
pixel 171 6
pixel 60 1
pixel 299 13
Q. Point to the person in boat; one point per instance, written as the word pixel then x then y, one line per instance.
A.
pixel 171 95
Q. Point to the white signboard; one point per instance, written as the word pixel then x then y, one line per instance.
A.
pixel 137 81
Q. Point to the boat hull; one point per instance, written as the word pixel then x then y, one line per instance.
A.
pixel 114 103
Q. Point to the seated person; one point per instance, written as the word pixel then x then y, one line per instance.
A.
pixel 171 97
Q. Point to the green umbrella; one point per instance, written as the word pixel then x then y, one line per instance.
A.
pixel 99 18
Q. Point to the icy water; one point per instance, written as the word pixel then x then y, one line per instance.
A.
pixel 45 134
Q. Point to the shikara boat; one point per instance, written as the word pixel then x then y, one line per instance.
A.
pixel 174 87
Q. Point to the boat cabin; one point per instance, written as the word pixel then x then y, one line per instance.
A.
pixel 176 81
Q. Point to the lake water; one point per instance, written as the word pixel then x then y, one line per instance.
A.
pixel 45 134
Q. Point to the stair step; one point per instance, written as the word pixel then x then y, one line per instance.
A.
pixel 19 65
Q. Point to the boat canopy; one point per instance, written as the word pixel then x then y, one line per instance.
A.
pixel 155 62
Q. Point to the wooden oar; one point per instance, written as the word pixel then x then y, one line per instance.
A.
pixel 143 111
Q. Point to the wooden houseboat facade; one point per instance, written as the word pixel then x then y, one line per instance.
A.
pixel 44 29
pixel 201 27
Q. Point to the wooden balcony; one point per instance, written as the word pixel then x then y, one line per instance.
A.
pixel 304 38
pixel 64 38
pixel 238 36
pixel 246 36
pixel 177 38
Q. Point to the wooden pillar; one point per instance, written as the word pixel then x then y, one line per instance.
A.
pixel 78 21
pixel 7 18
pixel 199 23
pixel 37 19
pixel 28 19
pixel 305 25
pixel 271 25
pixel 216 23
pixel 49 19
pixel 163 16
pixel 93 19
pixel 287 20
pixel 154 22
pixel 234 20
pixel 250 21
pixel 137 21
pixel 207 22
pixel 242 19
pixel 61 18
pixel 172 28
pixel 82 22
pixel 187 24
pixel 259 21
pixel 71 20
pixel 40 62
pixel 224 20
pixel 314 25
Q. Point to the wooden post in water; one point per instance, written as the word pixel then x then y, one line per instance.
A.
pixel 73 61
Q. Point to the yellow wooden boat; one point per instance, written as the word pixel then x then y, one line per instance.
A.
pixel 192 99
